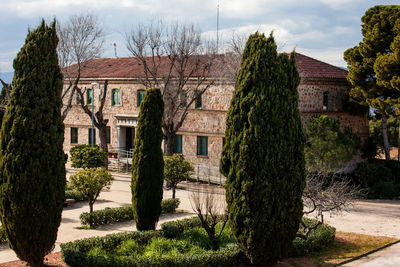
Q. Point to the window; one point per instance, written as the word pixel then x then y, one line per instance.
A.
pixel 108 134
pixel 325 105
pixel 140 96
pixel 74 135
pixel 202 145
pixel 90 136
pixel 178 144
pixel 183 98
pixel 115 98
pixel 78 99
pixel 198 101
pixel 89 96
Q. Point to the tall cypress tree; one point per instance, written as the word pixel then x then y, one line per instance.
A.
pixel 263 157
pixel 32 161
pixel 148 162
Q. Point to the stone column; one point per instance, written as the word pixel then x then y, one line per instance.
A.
pixel 119 131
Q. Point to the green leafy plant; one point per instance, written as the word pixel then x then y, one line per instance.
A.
pixel 176 170
pixel 328 148
pixel 90 182
pixel 121 214
pixel 85 156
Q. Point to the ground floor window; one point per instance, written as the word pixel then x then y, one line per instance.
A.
pixel 74 135
pixel 90 136
pixel 178 144
pixel 202 145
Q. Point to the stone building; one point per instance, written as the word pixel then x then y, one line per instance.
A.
pixel 201 137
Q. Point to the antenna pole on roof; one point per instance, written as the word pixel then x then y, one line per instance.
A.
pixel 217 23
pixel 115 49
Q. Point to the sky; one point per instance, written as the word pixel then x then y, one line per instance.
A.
pixel 322 29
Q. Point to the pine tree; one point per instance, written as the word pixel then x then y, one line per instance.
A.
pixel 32 161
pixel 148 163
pixel 372 65
pixel 263 158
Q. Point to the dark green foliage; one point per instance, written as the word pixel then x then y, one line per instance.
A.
pixel 176 170
pixel 73 194
pixel 263 158
pixel 85 156
pixel 32 161
pixel 121 214
pixel 191 247
pixel 320 238
pixel 148 162
pixel 3 238
pixel 381 178
pixel 329 148
pixel 375 130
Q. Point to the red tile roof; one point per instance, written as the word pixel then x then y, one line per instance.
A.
pixel 128 67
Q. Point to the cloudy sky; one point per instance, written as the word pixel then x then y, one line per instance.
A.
pixel 322 29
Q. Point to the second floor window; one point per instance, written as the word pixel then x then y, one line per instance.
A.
pixel 89 96
pixel 90 136
pixel 325 104
pixel 140 96
pixel 183 98
pixel 78 99
pixel 108 133
pixel 198 102
pixel 115 97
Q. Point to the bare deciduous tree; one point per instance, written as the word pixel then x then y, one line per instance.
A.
pixel 210 207
pixel 81 39
pixel 98 119
pixel 324 193
pixel 176 60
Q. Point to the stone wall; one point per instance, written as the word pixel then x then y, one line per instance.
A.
pixel 209 120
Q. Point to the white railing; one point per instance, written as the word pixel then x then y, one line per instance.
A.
pixel 208 174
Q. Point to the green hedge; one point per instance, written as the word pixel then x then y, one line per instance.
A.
pixel 73 194
pixel 75 253
pixel 3 238
pixel 121 214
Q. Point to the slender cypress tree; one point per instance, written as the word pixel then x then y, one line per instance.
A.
pixel 32 161
pixel 263 158
pixel 148 162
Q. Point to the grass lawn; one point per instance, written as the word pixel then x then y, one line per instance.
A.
pixel 347 246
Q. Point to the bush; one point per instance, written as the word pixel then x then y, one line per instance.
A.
pixel 121 214
pixel 156 248
pixel 176 170
pixel 85 156
pixel 384 190
pixel 320 238
pixel 97 251
pixel 73 194
pixel 367 174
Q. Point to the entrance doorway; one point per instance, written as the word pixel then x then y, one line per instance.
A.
pixel 129 138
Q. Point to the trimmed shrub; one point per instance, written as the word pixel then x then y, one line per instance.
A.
pixel 322 237
pixel 263 157
pixel 367 174
pixel 85 156
pixel 32 160
pixel 148 163
pixel 155 248
pixel 384 190
pixel 73 194
pixel 121 214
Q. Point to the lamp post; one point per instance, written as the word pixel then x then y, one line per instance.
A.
pixel 92 141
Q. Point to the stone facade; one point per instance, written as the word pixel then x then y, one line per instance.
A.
pixel 209 120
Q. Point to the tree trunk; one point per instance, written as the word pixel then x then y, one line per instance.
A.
pixel 103 142
pixel 169 140
pixel 173 191
pixel 386 146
